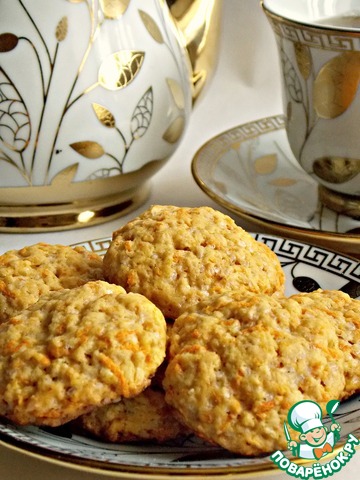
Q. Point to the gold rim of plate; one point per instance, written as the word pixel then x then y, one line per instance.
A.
pixel 132 472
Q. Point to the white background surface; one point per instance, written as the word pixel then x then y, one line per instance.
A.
pixel 245 87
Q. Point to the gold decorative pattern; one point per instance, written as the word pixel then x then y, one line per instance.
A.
pixel 15 129
pixel 61 29
pixel 337 169
pixel 266 164
pixel 38 162
pixel 177 93
pixel 224 169
pixel 119 69
pixel 291 79
pixel 88 149
pixel 338 202
pixel 141 118
pixel 114 9
pixel 311 37
pixel 151 26
pixel 64 177
pixel 105 117
pixel 283 182
pixel 303 59
pixel 175 130
pixel 336 85
pixel 200 24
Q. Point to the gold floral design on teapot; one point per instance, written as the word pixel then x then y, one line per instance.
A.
pixel 94 97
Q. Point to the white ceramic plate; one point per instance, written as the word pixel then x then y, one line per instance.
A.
pixel 251 171
pixel 306 268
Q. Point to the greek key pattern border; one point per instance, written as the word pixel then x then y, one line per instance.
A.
pixel 244 132
pixel 98 246
pixel 313 38
pixel 314 256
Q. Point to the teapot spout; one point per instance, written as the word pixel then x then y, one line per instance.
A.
pixel 199 22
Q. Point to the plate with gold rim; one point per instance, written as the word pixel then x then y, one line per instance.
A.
pixel 251 171
pixel 307 267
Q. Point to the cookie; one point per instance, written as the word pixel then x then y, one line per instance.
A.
pixel 178 256
pixel 77 349
pixel 346 316
pixel 38 269
pixel 238 363
pixel 144 417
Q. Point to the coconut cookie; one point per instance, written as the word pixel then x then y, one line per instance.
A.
pixel 144 417
pixel 78 349
pixel 178 256
pixel 38 269
pixel 237 367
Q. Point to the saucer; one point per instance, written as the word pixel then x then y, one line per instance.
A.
pixel 251 171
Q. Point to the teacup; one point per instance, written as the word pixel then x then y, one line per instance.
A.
pixel 319 48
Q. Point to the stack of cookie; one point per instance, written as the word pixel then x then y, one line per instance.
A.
pixel 182 327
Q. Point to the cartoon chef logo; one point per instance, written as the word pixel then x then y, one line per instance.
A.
pixel 315 440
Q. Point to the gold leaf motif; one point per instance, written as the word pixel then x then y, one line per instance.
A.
pixel 120 69
pixel 114 8
pixel 151 26
pixel 15 125
pixel 221 187
pixel 61 29
pixel 291 79
pixel 283 182
pixel 65 176
pixel 266 164
pixel 303 59
pixel 88 149
pixel 8 42
pixel 236 145
pixel 176 92
pixel 141 118
pixel 76 1
pixel 336 85
pixel 104 116
pixel 175 130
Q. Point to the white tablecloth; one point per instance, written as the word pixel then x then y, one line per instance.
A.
pixel 245 87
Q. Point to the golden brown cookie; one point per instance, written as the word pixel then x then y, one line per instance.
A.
pixel 177 256
pixel 238 363
pixel 346 314
pixel 144 417
pixel 78 349
pixel 38 269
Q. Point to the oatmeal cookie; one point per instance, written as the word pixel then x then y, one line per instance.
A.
pixel 177 256
pixel 38 269
pixel 144 417
pixel 346 314
pixel 239 363
pixel 77 349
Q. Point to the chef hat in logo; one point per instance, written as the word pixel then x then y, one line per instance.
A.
pixel 305 416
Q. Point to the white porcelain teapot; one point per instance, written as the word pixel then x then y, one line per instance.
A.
pixel 94 98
